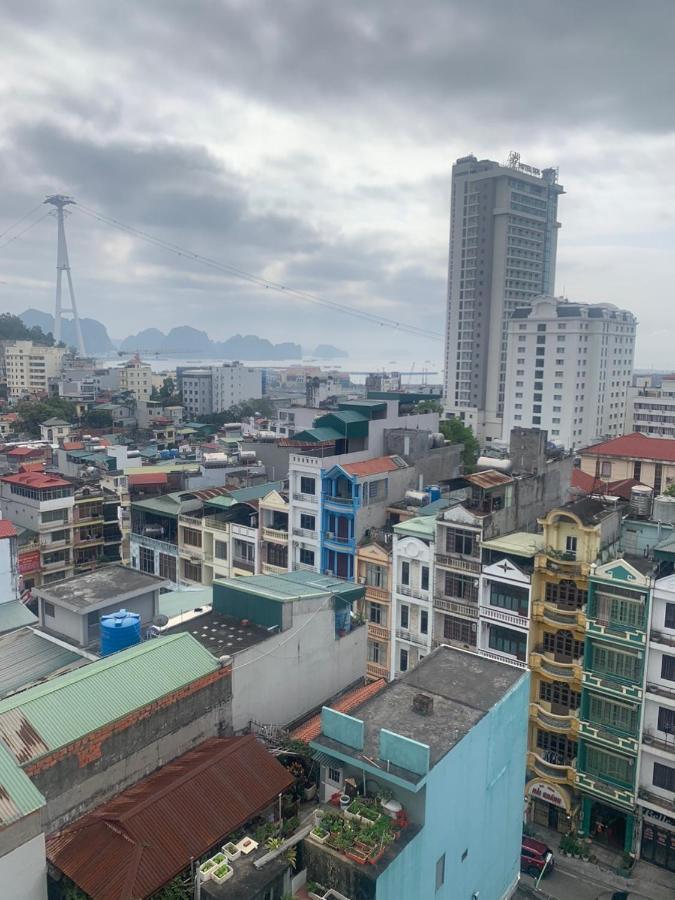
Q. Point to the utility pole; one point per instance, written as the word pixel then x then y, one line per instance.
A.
pixel 58 201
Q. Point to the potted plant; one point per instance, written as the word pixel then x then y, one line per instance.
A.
pixel 222 873
pixel 206 869
pixel 319 834
pixel 309 791
pixel 231 851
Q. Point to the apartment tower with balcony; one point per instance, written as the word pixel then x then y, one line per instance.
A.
pixel 503 243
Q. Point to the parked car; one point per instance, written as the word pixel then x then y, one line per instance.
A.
pixel 535 856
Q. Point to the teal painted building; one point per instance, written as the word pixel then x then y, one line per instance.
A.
pixel 447 741
pixel 617 616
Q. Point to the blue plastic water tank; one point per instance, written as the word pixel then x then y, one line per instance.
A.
pixel 119 630
pixel 434 493
pixel 174 453
pixel 165 454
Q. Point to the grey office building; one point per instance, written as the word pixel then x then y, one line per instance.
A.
pixel 503 240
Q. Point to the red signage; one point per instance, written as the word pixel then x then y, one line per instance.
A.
pixel 29 562
pixel 547 792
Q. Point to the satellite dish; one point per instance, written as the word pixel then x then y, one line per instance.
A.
pixel 160 620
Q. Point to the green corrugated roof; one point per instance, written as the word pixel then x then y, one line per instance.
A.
pixel 256 492
pixel 15 614
pixel 28 656
pixel 316 435
pixel 165 504
pixel 173 603
pixel 174 466
pixel 225 501
pixel 71 706
pixel 345 415
pixel 290 586
pixel 22 797
pixel 431 509
pixel 519 543
pixel 420 526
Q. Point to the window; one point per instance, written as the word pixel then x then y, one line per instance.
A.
pixel 146 560
pixel 54 515
pixel 668 667
pixel 307 522
pixel 605 468
pixel 375 613
pixel 625 610
pixel 306 556
pixel 507 641
pixel 192 537
pixel 167 566
pixel 405 616
pixel 571 544
pixel 559 693
pixel 48 609
pixel 509 597
pixel 192 571
pixel 374 652
pixel 376 576
pixel 403 661
pixel 557 748
pixel 458 541
pixel 377 489
pixel 220 550
pixel 424 621
pixel 424 578
pixel 335 775
pixel 307 485
pixel 637 469
pixel 243 550
pixel 621 716
pixel 455 629
pixel 669 620
pixel 664 777
pixel 405 573
pixel 666 721
pixel 460 586
pixel 440 872
pixel 566 595
pixel 617 662
pixel 609 766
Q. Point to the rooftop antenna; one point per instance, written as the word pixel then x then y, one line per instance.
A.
pixel 62 265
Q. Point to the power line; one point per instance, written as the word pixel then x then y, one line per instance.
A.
pixel 229 269
pixel 23 231
pixel 19 221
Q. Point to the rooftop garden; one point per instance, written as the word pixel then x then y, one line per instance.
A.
pixel 362 831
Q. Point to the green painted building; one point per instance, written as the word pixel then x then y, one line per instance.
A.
pixel 617 615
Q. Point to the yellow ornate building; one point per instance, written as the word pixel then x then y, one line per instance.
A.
pixel 373 569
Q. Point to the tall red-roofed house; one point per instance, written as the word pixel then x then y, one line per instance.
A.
pixel 649 460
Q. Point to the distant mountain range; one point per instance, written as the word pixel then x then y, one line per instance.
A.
pixel 183 340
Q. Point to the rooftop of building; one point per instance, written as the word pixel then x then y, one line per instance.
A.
pixel 220 635
pixel 54 421
pixel 518 543
pixel 289 586
pixel 28 657
pixel 634 446
pixel 177 603
pixel 589 510
pixel 7 529
pixel 489 478
pixel 145 836
pixel 104 585
pixel 380 465
pixel 20 797
pixel 256 492
pixel 36 480
pixel 345 703
pixel 148 478
pixel 592 484
pixel 463 686
pixel 56 713
pixel 15 614
pixel 570 309
pixel 421 526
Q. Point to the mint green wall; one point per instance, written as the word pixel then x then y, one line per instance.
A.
pixel 404 752
pixel 474 802
pixel 341 727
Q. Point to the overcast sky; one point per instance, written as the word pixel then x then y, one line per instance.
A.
pixel 311 142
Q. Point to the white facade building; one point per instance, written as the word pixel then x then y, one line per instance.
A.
pixel 568 370
pixel 503 242
pixel 30 366
pixel 412 611
pixel 212 389
pixel 136 378
pixel 651 410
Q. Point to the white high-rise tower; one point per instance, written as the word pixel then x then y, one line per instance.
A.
pixel 58 201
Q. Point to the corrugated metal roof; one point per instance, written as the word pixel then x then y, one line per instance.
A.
pixel 173 603
pixel 257 491
pixel 316 435
pixel 28 657
pixel 488 479
pixel 289 586
pixel 144 837
pixel 15 614
pixel 18 794
pixel 420 526
pixel 54 714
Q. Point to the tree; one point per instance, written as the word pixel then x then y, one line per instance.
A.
pixel 13 329
pixel 32 412
pixel 262 407
pixel 457 432
pixel 428 406
pixel 97 418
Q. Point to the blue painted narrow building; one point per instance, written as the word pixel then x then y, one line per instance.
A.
pixel 441 751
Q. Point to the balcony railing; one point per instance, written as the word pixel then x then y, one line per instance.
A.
pixel 305 498
pixel 274 534
pixel 504 615
pixel 330 537
pixel 452 606
pixel 565 773
pixel 153 544
pixel 306 533
pixel 417 593
pixel 649 738
pixel 660 638
pixel 456 561
pixel 216 524
pixel 503 658
pixel 271 569
pixel 657 799
pixel 566 724
pixel 303 567
pixel 661 690
pixel 421 640
pixel 191 521
pixel 375 670
pixel 246 564
pixel 379 595
pixel 378 632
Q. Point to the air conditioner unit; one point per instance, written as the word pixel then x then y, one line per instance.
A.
pixel 329 535
pixel 362 579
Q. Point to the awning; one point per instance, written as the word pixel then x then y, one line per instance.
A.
pixel 556 794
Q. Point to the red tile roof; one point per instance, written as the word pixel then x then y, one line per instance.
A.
pixel 372 466
pixel 347 702
pixel 26 451
pixel 36 480
pixel 634 446
pixel 589 484
pixel 148 478
pixel 7 529
pixel 73 445
pixel 32 467
pixel 145 836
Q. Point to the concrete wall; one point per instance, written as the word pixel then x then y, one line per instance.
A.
pixel 434 465
pixel 23 870
pixel 483 775
pixel 88 772
pixel 289 674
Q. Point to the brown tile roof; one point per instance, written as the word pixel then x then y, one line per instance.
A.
pixel 148 478
pixel 592 485
pixel 373 466
pixel 347 702
pixel 36 480
pixel 634 446
pixel 141 839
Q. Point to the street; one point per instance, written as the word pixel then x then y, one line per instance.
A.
pixel 568 882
